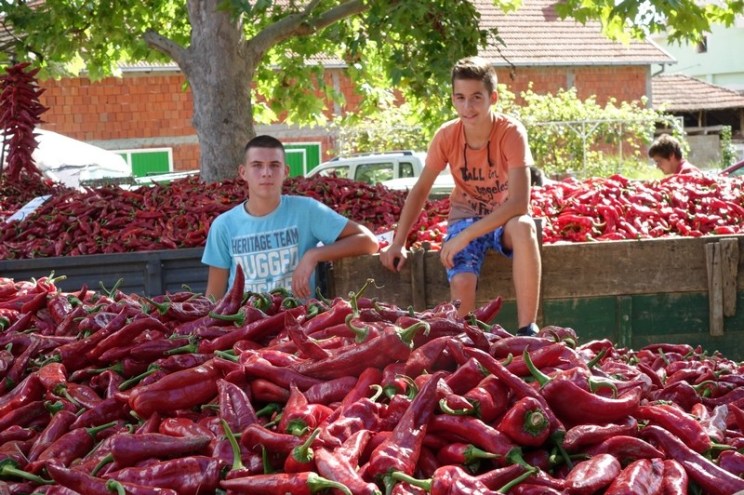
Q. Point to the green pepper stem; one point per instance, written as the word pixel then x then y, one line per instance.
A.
pixel 126 384
pixel 529 472
pixel 360 333
pixel 317 483
pixel 379 390
pixel 189 348
pixel 109 458
pixel 304 453
pixel 8 468
pixel 408 334
pixel 541 377
pixel 557 436
pixel 446 409
pixel 595 360
pixel 115 486
pixel 268 409
pixel 237 318
pixel 401 476
pixel 228 355
pixel 94 430
pixel 237 458
pixel 161 307
pixel 473 453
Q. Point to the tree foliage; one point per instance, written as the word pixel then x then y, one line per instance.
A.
pixel 261 61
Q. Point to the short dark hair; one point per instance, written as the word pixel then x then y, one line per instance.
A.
pixel 665 146
pixel 537 178
pixel 264 141
pixel 476 68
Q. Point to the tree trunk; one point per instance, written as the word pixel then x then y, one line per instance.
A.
pixel 219 69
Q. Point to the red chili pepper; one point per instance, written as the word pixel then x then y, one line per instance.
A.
pixel 732 461
pixel 590 476
pixel 235 406
pixel 85 484
pixel 24 416
pixel 681 424
pixel 68 447
pixel 626 448
pixel 328 392
pixel 454 480
pixel 400 451
pixel 472 430
pixel 270 484
pixel 581 436
pixel 337 468
pixel 256 435
pixel 30 389
pixel 706 474
pixel 466 376
pixel 125 335
pixel 302 457
pixel 255 366
pixel 391 345
pixel 255 330
pixel 307 346
pixel 58 426
pixel 643 476
pixel 426 356
pixel 266 391
pixel 462 453
pixel 183 427
pixel 526 423
pixel 675 479
pixel 178 390
pixel 194 475
pixel 128 449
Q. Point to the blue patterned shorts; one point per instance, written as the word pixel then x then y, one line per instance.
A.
pixel 470 259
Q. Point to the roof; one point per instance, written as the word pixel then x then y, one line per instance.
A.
pixel 680 93
pixel 536 35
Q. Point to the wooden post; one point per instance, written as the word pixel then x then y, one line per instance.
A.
pixel 418 279
pixel 715 290
pixel 729 273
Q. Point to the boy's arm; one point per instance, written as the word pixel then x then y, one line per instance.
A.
pixel 217 282
pixel 408 216
pixel 354 240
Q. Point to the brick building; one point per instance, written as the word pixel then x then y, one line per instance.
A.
pixel 146 114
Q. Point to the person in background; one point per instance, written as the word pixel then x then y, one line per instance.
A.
pixel 275 237
pixel 666 152
pixel 489 157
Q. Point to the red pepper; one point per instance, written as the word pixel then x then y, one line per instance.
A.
pixel 306 483
pixel 400 451
pixel 643 476
pixel 337 468
pixel 367 378
pixel 581 436
pixel 591 476
pixel 266 391
pixel 466 376
pixel 30 389
pixel 526 423
pixel 85 484
pixel 391 345
pixel 675 479
pixel 426 357
pixel 125 335
pixel 194 475
pixel 678 422
pixel 472 430
pixel 454 480
pixel 732 461
pixel 706 474
pixel 68 447
pixel 626 448
pixel 256 435
pixel 302 457
pixel 178 390
pixel 330 391
pixel 254 366
pixel 128 449
pixel 462 453
pixel 58 426
pixel 235 406
pixel 307 346
pixel 183 427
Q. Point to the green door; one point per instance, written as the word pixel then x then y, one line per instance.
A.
pixel 302 157
pixel 148 161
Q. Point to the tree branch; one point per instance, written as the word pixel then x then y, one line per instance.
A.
pixel 299 24
pixel 166 46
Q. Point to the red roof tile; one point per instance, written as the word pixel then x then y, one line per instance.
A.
pixel 680 93
pixel 535 35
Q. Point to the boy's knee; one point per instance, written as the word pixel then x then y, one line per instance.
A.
pixel 521 229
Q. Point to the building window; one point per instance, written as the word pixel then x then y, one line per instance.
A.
pixel 702 46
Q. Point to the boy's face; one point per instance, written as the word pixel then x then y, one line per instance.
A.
pixel 473 101
pixel 264 171
pixel 666 165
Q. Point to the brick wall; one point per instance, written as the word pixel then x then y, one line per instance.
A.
pixel 153 110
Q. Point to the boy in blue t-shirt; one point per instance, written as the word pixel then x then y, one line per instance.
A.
pixel 274 237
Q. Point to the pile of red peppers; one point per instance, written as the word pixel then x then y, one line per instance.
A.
pixel 113 219
pixel 259 393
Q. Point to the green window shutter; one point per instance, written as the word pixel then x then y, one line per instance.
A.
pixel 302 157
pixel 146 163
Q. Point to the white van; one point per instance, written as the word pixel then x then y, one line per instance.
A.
pixel 374 167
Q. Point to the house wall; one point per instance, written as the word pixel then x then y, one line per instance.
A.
pixel 154 110
pixel 718 64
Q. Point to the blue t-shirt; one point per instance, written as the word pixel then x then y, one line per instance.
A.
pixel 269 247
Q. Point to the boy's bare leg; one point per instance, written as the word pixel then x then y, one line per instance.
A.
pixel 462 288
pixel 520 236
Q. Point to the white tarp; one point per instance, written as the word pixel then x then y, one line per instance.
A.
pixel 70 161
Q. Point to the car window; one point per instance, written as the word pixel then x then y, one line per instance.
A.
pixel 372 173
pixel 341 172
pixel 406 169
pixel 738 172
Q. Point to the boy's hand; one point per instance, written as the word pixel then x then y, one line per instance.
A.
pixel 301 277
pixel 450 250
pixel 394 257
